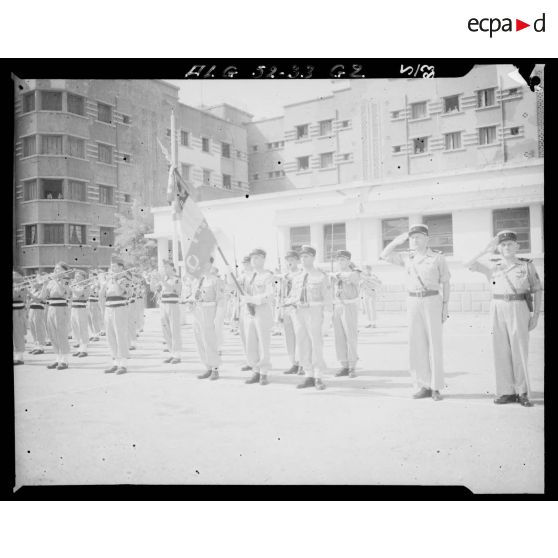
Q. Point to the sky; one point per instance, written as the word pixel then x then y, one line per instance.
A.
pixel 263 98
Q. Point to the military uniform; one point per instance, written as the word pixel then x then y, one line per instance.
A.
pixel 95 314
pixel 345 317
pixel 19 299
pixel 369 286
pixel 311 295
pixel 260 294
pixel 37 319
pixel 289 327
pixel 207 295
pixel 114 294
pixel 170 316
pixel 220 315
pixel 244 282
pixel 424 275
pixel 78 317
pixel 132 313
pixel 509 319
pixel 140 305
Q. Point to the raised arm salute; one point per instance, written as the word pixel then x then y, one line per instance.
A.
pixel 513 281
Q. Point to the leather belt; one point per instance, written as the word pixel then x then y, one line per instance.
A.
pixel 422 294
pixel 93 299
pixel 509 297
pixel 115 304
pixel 57 302
pixel 36 307
pixel 18 305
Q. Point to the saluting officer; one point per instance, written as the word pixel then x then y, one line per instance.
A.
pixel 293 259
pixel 57 292
pixel 513 280
pixel 78 312
pixel 426 270
pixel 247 275
pixel 345 313
pixel 169 288
pixel 207 295
pixel 19 298
pixel 114 295
pixel 258 298
pixel 311 297
pixel 37 319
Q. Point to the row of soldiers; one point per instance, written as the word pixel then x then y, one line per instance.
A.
pixel 67 300
pixel 307 295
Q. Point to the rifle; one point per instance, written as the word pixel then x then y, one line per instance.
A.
pixel 251 307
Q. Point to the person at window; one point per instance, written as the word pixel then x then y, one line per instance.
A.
pixel 49 196
pixel 513 315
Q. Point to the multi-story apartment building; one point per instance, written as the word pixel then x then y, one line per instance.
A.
pixel 355 169
pixel 86 149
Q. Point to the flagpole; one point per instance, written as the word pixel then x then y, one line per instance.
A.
pixel 237 284
pixel 175 222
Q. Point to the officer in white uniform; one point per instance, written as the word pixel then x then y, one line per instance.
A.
pixel 345 313
pixel 513 281
pixel 246 276
pixel 311 297
pixel 293 259
pixel 19 320
pixel 369 285
pixel 427 307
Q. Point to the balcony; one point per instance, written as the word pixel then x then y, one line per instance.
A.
pixel 46 255
pixel 65 211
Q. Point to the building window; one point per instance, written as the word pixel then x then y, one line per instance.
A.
pixel 125 119
pixel 303 163
pixel 53 234
pixel 514 131
pixel 205 145
pixel 517 220
pixel 77 190
pixel 185 171
pixel 302 131
pixel 31 234
pixel 226 150
pixel 395 113
pixel 76 104
pixel 126 158
pixel 487 135
pixel 76 147
pixel 227 181
pixel 206 177
pixel 420 145
pixel 104 113
pixel 299 236
pixel 254 148
pixel 29 146
pixel 77 234
pixel 440 233
pixel 453 141
pixel 486 97
pixel 184 138
pixel 269 145
pixel 275 144
pixel 270 175
pixel 418 110
pixel 238 155
pixel 346 156
pixel 105 153
pixel 392 228
pixel 51 100
pixel 255 176
pixel 513 91
pixel 127 198
pixel 345 123
pixel 106 196
pixel 451 104
pixel 326 160
pixel 107 236
pixel 30 190
pixel 325 127
pixel 29 102
pixel 282 143
pixel 51 145
pixel 334 239
pixel 52 189
pixel 397 149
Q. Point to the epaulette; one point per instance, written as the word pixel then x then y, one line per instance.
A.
pixel 525 260
pixel 437 251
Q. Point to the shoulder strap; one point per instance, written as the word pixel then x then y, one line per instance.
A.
pixel 418 275
pixel 505 274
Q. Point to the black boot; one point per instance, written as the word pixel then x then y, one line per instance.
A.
pixel 423 393
pixel 245 368
pixel 343 372
pixel 214 374
pixel 292 370
pixel 254 379
pixel 503 399
pixel 308 382
pixel 205 375
pixel 523 400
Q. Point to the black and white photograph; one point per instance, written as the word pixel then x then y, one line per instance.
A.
pixel 321 281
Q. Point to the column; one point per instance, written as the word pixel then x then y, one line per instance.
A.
pixel 536 229
pixel 317 241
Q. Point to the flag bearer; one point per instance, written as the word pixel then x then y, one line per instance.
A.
pixel 207 294
pixel 37 319
pixel 168 286
pixel 293 259
pixel 345 314
pixel 58 294
pixel 19 299
pixel 427 307
pixel 113 296
pixel 311 297
pixel 78 313
pixel 512 315
pixel 258 299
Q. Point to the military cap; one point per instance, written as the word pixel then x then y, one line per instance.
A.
pixel 258 252
pixel 422 229
pixel 343 254
pixel 292 254
pixel 306 249
pixel 506 235
pixel 246 259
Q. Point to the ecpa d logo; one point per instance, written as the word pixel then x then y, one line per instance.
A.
pixel 494 24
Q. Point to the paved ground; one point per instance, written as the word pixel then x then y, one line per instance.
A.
pixel 160 425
